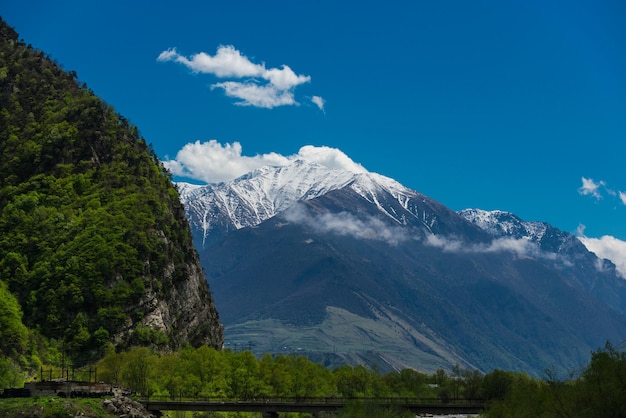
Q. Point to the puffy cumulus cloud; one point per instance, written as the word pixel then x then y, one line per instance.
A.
pixel 622 197
pixel 255 85
pixel 213 162
pixel 319 102
pixel 227 62
pixel 608 247
pixel 328 157
pixel 284 78
pixel 346 224
pixel 520 247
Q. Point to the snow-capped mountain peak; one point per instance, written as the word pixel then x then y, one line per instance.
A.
pixel 263 193
pixel 257 195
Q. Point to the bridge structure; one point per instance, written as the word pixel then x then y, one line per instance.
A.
pixel 271 407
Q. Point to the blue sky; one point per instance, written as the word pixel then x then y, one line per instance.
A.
pixel 518 106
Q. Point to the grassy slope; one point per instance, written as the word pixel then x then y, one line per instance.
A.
pixel 45 407
pixel 344 336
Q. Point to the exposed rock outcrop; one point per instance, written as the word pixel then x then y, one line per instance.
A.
pixel 124 407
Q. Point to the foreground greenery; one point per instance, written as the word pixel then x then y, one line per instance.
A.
pixel 597 390
pixel 52 407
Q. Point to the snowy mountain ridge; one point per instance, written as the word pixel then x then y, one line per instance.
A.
pixel 261 194
pixel 500 223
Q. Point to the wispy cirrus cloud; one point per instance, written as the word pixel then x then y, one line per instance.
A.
pixel 591 188
pixel 319 102
pixel 599 189
pixel 213 162
pixel 520 247
pixel 251 83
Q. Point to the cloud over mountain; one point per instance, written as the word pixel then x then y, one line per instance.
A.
pixel 213 162
pixel 520 247
pixel 254 84
pixel 607 247
pixel 346 224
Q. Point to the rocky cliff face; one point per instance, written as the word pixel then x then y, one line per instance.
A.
pixel 188 313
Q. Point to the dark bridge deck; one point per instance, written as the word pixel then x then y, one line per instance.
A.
pixel 313 405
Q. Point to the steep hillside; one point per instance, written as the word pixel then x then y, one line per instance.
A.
pixel 93 239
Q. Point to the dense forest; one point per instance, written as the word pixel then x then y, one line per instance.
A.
pixel 90 223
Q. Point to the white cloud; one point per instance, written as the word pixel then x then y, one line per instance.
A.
pixel 607 247
pixel 319 102
pixel 346 224
pixel 252 94
pixel 521 247
pixel 227 62
pixel 168 55
pixel 598 189
pixel 591 188
pixel 285 78
pixel 328 157
pixel 256 85
pixel 213 162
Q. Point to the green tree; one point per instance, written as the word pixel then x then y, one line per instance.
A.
pixel 472 384
pixel 11 375
pixel 408 383
pixel 355 382
pixel 601 391
pixel 497 384
pixel 276 375
pixel 13 333
pixel 244 378
pixel 110 367
pixel 136 374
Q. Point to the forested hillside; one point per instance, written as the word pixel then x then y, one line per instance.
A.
pixel 94 246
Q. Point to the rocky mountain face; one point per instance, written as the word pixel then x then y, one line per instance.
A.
pixel 94 243
pixel 566 253
pixel 356 268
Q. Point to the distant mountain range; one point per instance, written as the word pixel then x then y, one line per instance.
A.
pixel 356 268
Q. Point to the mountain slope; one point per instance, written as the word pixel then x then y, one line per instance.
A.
pixel 367 270
pixel 570 256
pixel 93 239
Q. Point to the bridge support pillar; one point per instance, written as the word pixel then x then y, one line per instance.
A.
pixel 270 414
